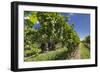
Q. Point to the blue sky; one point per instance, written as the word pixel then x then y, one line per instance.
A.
pixel 81 21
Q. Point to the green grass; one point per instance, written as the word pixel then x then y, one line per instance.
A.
pixel 84 51
pixel 51 55
pixel 59 54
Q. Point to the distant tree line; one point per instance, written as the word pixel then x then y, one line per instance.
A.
pixel 86 41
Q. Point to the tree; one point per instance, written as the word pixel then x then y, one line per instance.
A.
pixel 87 39
pixel 54 29
pixel 30 34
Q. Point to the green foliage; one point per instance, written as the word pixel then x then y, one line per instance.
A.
pixel 36 50
pixel 54 29
pixel 30 18
pixel 86 41
pixel 32 50
pixel 30 35
pixel 28 53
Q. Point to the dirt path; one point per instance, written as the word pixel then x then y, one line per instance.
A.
pixel 82 52
pixel 77 54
